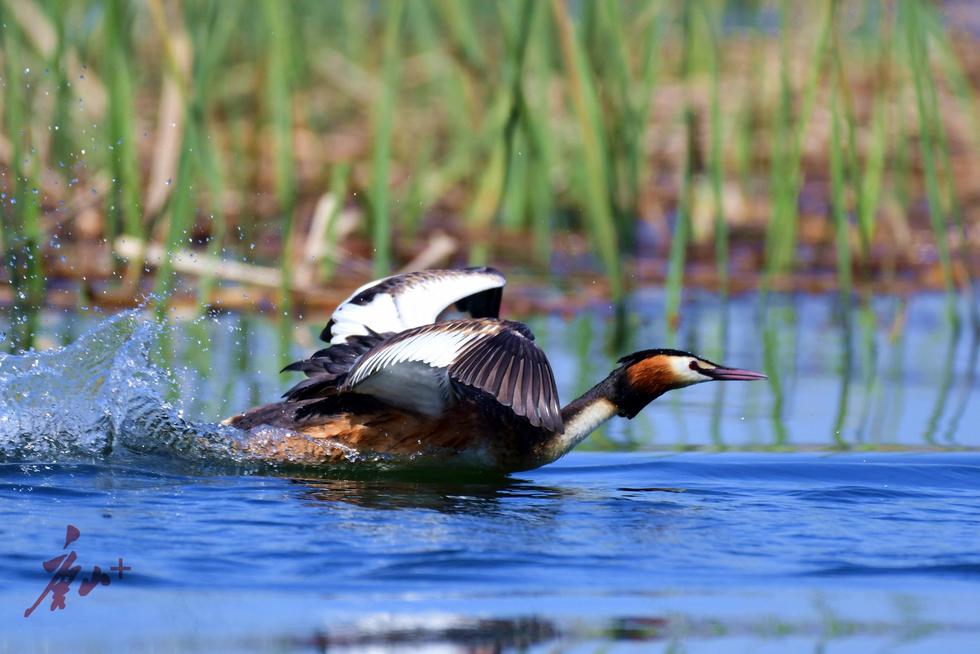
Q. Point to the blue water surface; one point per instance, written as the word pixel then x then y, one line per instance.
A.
pixel 834 509
pixel 634 551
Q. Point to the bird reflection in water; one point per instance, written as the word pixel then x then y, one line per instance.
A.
pixel 450 496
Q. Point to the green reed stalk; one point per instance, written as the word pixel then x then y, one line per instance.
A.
pixel 498 181
pixel 888 415
pixel 715 162
pixel 869 192
pixel 844 392
pixel 955 208
pixel 458 17
pixel 492 182
pixel 918 61
pixel 787 143
pixel 844 283
pixel 180 219
pixel 614 84
pixel 540 198
pixel 650 35
pixel 746 134
pixel 416 199
pixel 381 157
pixel 62 142
pixel 954 74
pixel 211 39
pixel 354 19
pixel 339 179
pixel 515 178
pixel 682 227
pixel 541 208
pixel 514 206
pixel 874 170
pixel 867 321
pixel 20 229
pixel 209 163
pixel 124 210
pixel 717 440
pixel 945 385
pixel 837 202
pixel 540 146
pixel 280 102
pixel 774 364
pixel 628 97
pixel 197 156
pixel 901 166
pixel 594 174
pixel 242 173
pixel 447 92
pixel 966 388
pixel 852 168
pixel 782 225
pixel 720 225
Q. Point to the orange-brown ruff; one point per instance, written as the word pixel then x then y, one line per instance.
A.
pixel 650 375
pixel 397 386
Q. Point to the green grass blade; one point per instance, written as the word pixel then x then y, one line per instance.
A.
pixel 595 176
pixel 715 158
pixel 682 226
pixel 381 154
pixel 20 216
pixel 124 212
pixel 339 179
pixel 837 202
pixel 918 62
pixel 279 98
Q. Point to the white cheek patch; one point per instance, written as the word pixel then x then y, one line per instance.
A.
pixel 681 367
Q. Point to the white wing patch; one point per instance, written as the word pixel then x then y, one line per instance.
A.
pixel 436 349
pixel 412 373
pixel 419 370
pixel 380 314
pixel 394 304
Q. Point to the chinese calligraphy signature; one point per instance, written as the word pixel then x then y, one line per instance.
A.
pixel 63 572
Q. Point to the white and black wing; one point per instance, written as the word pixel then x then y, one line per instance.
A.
pixel 400 302
pixel 327 368
pixel 416 369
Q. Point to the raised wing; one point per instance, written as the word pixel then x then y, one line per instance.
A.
pixel 415 369
pixel 327 368
pixel 400 302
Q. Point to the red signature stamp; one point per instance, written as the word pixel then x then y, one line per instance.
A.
pixel 63 572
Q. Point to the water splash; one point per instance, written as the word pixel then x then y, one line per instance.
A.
pixel 98 397
pixel 104 397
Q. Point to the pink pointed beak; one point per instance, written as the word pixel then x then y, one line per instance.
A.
pixel 732 374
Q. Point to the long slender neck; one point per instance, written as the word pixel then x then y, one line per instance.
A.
pixel 582 417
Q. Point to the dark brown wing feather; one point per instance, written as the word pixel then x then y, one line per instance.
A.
pixel 326 369
pixel 509 366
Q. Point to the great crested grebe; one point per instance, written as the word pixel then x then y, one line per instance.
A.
pixel 399 384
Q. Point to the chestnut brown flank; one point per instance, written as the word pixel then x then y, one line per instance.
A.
pixel 464 431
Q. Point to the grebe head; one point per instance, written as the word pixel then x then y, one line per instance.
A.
pixel 646 375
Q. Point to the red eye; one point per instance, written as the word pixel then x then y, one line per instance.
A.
pixel 694 366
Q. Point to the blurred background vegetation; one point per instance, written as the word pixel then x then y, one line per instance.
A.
pixel 273 155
